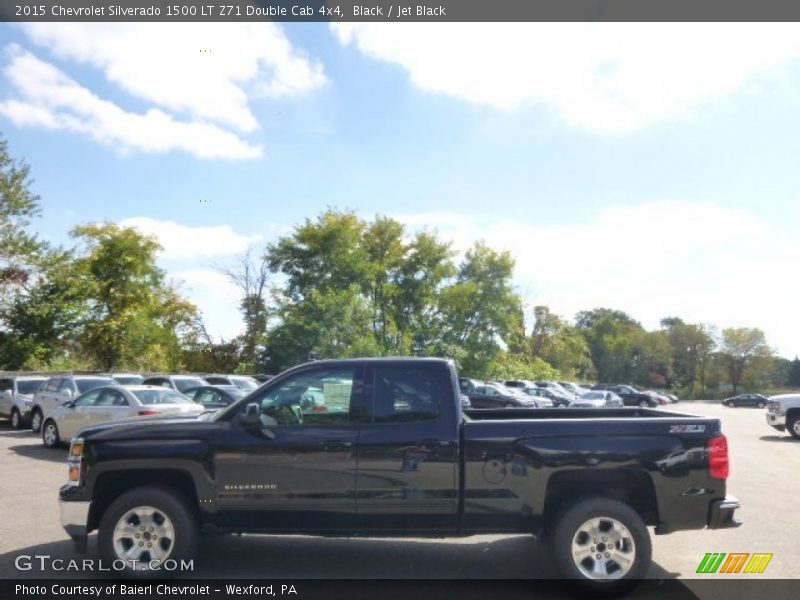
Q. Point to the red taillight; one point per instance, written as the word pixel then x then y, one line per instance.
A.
pixel 147 413
pixel 718 465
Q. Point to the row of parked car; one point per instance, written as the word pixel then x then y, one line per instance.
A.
pixel 544 394
pixel 60 405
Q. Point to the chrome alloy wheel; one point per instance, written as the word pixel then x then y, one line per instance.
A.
pixel 603 549
pixel 144 534
pixel 50 434
pixel 796 427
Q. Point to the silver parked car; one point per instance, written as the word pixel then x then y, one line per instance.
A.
pixel 244 382
pixel 598 399
pixel 16 397
pixel 111 403
pixel 59 389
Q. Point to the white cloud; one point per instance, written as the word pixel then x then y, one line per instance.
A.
pixel 697 260
pixel 216 297
pixel 608 77
pixel 204 69
pixel 185 242
pixel 196 81
pixel 50 99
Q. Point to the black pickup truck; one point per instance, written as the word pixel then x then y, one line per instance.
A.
pixel 382 447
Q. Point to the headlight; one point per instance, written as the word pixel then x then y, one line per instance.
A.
pixel 75 461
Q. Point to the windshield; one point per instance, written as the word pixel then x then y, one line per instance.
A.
pixel 164 396
pixel 29 386
pixel 246 384
pixel 84 385
pixel 184 383
pixel 594 396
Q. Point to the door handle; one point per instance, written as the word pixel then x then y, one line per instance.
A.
pixel 332 445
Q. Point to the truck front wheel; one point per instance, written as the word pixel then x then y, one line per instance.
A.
pixel 602 544
pixel 793 426
pixel 147 528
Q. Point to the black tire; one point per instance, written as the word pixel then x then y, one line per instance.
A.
pixel 793 426
pixel 569 528
pixel 50 435
pixel 36 420
pixel 171 505
pixel 16 419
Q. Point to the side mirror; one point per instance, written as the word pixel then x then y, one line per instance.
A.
pixel 69 404
pixel 249 418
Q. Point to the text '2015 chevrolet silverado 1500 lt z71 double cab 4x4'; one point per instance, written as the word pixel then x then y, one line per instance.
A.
pixel 382 447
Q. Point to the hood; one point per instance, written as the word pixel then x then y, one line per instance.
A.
pixel 156 427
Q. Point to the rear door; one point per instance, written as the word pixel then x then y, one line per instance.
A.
pixel 111 405
pixel 408 453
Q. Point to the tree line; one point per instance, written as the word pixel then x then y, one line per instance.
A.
pixel 337 286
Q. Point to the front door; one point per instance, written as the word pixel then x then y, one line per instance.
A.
pixel 297 470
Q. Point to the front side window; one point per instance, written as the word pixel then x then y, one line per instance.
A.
pixel 404 394
pixel 112 398
pixel 318 397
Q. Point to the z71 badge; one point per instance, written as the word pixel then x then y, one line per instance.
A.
pixel 687 428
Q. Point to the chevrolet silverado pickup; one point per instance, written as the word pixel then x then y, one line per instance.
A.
pixel 386 449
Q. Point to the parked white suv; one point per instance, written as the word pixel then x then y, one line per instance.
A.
pixel 16 397
pixel 783 413
pixel 60 388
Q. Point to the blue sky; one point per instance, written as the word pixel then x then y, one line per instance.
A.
pixel 620 168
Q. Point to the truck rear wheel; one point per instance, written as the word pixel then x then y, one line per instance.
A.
pixel 601 544
pixel 145 527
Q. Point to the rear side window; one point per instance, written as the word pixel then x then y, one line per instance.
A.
pixel 161 397
pixel 84 385
pixel 408 394
pixel 6 385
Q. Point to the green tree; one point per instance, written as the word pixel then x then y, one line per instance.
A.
pixel 134 316
pixel 477 309
pixel 18 204
pixel 745 351
pixel 612 339
pixel 44 316
pixel 560 345
pixel 252 278
pixel 690 346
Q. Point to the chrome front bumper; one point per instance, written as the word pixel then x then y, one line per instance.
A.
pixel 777 421
pixel 75 520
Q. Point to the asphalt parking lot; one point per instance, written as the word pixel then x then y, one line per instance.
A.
pixel 764 476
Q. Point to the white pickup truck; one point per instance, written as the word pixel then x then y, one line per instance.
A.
pixel 783 413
